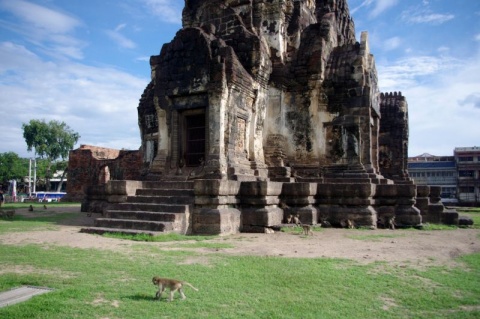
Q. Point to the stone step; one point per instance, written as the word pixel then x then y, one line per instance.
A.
pixel 345 180
pixel 151 216
pixel 168 185
pixel 164 192
pixel 104 230
pixel 134 224
pixel 151 207
pixel 157 207
pixel 244 178
pixel 161 199
pixel 347 174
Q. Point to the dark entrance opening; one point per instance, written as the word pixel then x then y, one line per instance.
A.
pixel 194 139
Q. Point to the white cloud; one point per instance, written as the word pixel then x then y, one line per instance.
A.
pixel 477 37
pixel 119 38
pixel 167 10
pixel 443 98
pixel 365 3
pixel 50 30
pixel 424 15
pixel 120 27
pixel 392 43
pixel 143 59
pixel 443 49
pixel 98 103
pixel 382 5
pixel 379 6
pixel 432 18
pixel 41 17
pixel 406 72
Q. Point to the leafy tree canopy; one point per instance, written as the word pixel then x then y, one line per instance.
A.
pixel 52 140
pixel 12 167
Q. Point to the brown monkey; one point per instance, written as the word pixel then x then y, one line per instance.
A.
pixel 289 218
pixel 30 209
pixel 347 223
pixel 350 224
pixel 391 223
pixel 44 206
pixel 172 284
pixel 296 219
pixel 284 207
pixel 307 230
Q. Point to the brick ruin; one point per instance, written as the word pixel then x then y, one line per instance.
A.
pixel 257 110
pixel 91 167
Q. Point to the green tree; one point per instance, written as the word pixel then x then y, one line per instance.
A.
pixel 51 141
pixel 12 167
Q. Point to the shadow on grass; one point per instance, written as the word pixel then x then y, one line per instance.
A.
pixel 142 297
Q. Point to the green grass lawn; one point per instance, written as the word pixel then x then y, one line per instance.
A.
pixel 94 283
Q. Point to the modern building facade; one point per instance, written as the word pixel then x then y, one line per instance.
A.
pixel 468 165
pixel 427 169
pixel 458 175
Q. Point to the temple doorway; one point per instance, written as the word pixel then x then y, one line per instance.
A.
pixel 194 139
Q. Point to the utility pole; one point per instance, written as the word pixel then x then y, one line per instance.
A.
pixel 35 175
pixel 30 178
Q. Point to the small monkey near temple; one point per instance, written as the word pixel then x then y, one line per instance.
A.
pixel 289 218
pixel 172 284
pixel 307 230
pixel 391 223
pixel 296 219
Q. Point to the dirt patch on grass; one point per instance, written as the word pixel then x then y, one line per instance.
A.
pixel 408 247
pixel 20 269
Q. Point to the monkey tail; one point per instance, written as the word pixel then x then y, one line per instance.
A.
pixel 186 283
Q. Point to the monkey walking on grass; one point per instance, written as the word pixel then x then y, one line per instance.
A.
pixel 172 284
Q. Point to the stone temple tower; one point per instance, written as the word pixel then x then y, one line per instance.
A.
pixel 269 108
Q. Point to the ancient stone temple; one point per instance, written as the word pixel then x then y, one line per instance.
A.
pixel 258 110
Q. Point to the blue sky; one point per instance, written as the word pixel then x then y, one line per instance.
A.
pixel 85 62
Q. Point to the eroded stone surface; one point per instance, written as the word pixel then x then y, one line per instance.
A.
pixel 280 103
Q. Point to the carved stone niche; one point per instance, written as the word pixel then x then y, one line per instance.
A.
pixel 344 141
pixel 275 151
pixel 240 137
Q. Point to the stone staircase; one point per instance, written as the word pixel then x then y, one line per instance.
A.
pixel 158 207
pixel 356 173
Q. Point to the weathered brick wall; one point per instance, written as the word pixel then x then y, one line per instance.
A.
pixel 86 167
pixel 393 138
